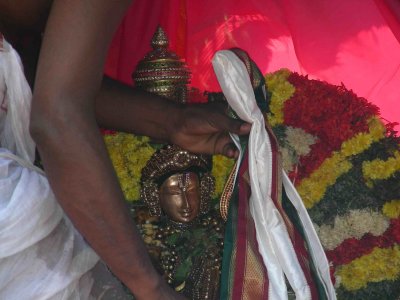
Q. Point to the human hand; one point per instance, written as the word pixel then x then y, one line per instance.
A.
pixel 204 128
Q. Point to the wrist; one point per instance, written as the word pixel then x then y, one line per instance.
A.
pixel 174 119
pixel 145 286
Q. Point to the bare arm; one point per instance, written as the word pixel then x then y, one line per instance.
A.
pixel 64 126
pixel 198 128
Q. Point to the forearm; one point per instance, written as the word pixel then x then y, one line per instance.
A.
pixel 127 109
pixel 63 124
pixel 84 183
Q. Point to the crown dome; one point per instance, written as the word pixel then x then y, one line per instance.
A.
pixel 162 72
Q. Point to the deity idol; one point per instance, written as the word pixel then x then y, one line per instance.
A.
pixel 177 186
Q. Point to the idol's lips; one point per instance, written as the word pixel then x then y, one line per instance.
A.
pixel 186 213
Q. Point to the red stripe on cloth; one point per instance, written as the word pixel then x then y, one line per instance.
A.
pixel 241 232
pixel 246 237
pixel 265 291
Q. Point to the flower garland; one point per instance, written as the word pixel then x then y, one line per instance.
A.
pixel 281 91
pixel 392 209
pixel 313 188
pixel 355 224
pixel 297 143
pixel 379 169
pixel 129 154
pixel 353 248
pixel 347 115
pixel 220 170
pixel 348 181
pixel 345 164
pixel 382 264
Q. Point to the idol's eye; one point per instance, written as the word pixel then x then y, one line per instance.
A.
pixel 172 191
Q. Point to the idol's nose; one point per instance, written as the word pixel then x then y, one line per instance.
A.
pixel 185 202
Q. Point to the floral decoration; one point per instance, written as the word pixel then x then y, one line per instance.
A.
pixel 129 154
pixel 349 181
pixel 281 90
pixel 344 162
pixel 220 170
pixel 356 223
pixel 392 209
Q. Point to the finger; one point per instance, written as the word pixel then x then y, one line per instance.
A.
pixel 225 146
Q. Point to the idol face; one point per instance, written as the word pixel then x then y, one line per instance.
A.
pixel 180 197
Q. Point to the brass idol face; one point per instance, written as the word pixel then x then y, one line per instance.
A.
pixel 180 197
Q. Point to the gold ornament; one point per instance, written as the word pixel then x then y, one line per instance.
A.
pixel 227 194
pixel 162 72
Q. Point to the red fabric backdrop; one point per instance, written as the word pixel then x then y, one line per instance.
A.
pixel 356 42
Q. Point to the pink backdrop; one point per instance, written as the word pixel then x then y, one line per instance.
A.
pixel 356 42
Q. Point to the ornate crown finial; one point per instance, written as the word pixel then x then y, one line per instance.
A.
pixel 162 72
pixel 159 39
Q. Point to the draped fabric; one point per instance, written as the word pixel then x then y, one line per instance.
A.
pixel 42 256
pixel 356 43
pixel 281 246
pixel 15 105
pixel 244 275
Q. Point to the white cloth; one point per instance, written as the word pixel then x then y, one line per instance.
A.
pixel 272 236
pixel 42 256
pixel 15 105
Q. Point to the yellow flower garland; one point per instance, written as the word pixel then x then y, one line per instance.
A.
pixel 363 140
pixel 313 188
pixel 281 90
pixel 220 170
pixel 379 169
pixel 129 154
pixel 379 265
pixel 391 209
